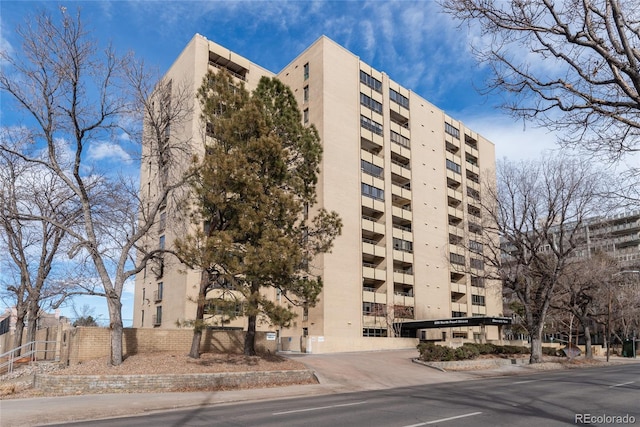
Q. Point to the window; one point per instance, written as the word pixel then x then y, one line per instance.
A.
pixel 163 221
pixel 453 166
pixel 456 258
pixel 403 312
pixel 402 245
pixel 306 115
pixel 371 169
pixel 161 243
pixel 472 160
pixel 475 246
pixel 305 92
pixel 477 300
pixel 372 82
pixel 373 192
pixel 474 194
pixel 157 319
pixel 373 309
pixel 399 99
pixel 399 139
pixel 453 131
pixel 374 332
pixel 305 313
pixel 458 334
pixel 458 314
pixel 371 125
pixel 306 71
pixel 142 319
pixel 475 228
pixel 370 103
pixel 478 264
pixel 478 282
pixel 158 295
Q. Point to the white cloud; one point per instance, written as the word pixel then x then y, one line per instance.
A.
pixel 106 150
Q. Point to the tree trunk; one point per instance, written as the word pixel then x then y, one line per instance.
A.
pixel 115 315
pixel 252 310
pixel 250 337
pixel 588 351
pixel 17 337
pixel 198 324
pixel 536 347
pixel 33 315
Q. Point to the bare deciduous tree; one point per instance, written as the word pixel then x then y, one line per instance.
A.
pixel 581 62
pixel 76 100
pixel 32 246
pixel 537 209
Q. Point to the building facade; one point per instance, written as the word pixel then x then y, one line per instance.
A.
pixel 405 179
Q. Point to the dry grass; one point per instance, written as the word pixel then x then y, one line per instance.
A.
pixel 20 383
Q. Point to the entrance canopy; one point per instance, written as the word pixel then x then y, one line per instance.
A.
pixel 414 325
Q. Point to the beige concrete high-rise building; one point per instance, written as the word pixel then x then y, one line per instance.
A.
pixel 405 179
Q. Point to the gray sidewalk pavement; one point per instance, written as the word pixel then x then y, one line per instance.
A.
pixel 337 373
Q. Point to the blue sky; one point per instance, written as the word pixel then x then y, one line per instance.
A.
pixel 413 42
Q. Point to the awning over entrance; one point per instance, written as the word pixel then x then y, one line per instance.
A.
pixel 453 322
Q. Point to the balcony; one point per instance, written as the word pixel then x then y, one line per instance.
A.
pixel 455 212
pixel 157 296
pixel 375 228
pixel 402 213
pixel 402 256
pixel 372 272
pixel 454 194
pixel 372 146
pixel 373 295
pixel 459 288
pixel 373 204
pixel 370 247
pixel 401 196
pixel 458 307
pixel 403 233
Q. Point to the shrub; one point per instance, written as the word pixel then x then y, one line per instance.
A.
pixel 429 352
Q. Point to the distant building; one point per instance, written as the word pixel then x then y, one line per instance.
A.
pixel 405 179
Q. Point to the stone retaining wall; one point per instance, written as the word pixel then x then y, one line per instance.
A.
pixel 83 384
pixel 460 365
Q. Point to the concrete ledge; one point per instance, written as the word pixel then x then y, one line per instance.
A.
pixel 461 365
pixel 81 384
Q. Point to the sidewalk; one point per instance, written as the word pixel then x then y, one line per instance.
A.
pixel 337 373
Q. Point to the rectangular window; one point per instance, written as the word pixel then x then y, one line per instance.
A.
pixel 373 192
pixel 478 282
pixel 478 300
pixel 474 194
pixel 402 245
pixel 456 258
pixel 475 228
pixel 374 332
pixel 370 103
pixel 458 334
pixel 157 319
pixel 399 99
pixel 475 246
pixel 158 295
pixel 403 312
pixel 306 71
pixel 399 139
pixel 372 82
pixel 371 169
pixel 478 264
pixel 453 131
pixel 142 319
pixel 163 221
pixel 305 92
pixel 458 314
pixel 306 116
pixel 161 243
pixel 373 309
pixel 453 166
pixel 371 125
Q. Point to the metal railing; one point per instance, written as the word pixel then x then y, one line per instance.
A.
pixel 30 352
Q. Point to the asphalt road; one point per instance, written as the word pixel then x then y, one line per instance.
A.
pixel 541 399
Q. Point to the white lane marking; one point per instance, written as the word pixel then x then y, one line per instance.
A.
pixel 620 385
pixel 441 420
pixel 524 382
pixel 319 408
